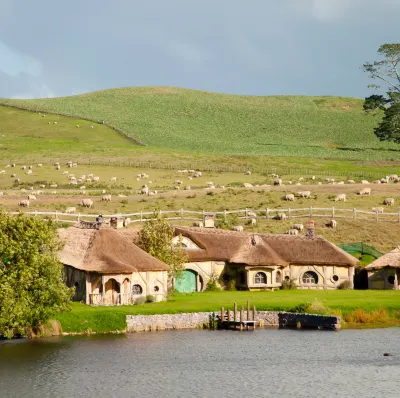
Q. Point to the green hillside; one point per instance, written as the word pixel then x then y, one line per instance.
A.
pixel 195 121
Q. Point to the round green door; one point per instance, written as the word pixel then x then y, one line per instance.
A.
pixel 187 282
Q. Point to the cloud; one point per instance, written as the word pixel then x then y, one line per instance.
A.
pixel 14 63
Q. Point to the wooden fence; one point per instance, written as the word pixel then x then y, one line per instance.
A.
pixel 243 214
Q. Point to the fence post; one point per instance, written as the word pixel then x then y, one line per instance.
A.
pixel 354 213
pixel 267 213
pixel 310 211
pixel 79 217
pixel 141 215
pixel 225 216
pixel 289 212
pixel 377 216
pixel 245 213
pixel 56 216
pixel 181 214
pixel 333 212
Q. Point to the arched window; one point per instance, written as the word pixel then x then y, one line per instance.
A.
pixel 137 290
pixel 310 278
pixel 278 277
pixel 391 279
pixel 260 277
pixel 76 284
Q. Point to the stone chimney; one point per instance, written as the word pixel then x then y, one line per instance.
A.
pixel 310 229
pixel 209 220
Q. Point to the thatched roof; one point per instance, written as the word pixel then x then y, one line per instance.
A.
pixel 105 251
pixel 237 247
pixel 391 259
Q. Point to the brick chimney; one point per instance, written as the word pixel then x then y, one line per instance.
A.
pixel 310 229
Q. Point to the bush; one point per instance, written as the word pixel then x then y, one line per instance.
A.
pixel 140 300
pixel 361 316
pixel 345 285
pixel 231 220
pixel 300 308
pixel 150 298
pixel 212 285
pixel 289 285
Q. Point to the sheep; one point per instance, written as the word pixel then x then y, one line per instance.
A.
pixel 144 190
pixel 251 214
pixel 247 185
pixel 179 182
pixel 53 186
pixel 113 179
pixel 73 182
pixel 23 167
pixel 77 126
pixel 88 180
pixel 74 164
pixel 252 222
pixel 1 193
pixel 58 167
pixel 197 174
pixel 120 195
pixel 237 228
pixel 210 183
pixel 39 165
pixel 340 197
pixel 30 167
pixel 299 227
pixel 393 177
pixel 192 171
pixel 278 182
pixel 351 182
pixel 29 172
pixel 106 198
pixel 248 173
pixel 127 221
pixel 198 224
pixel 304 194
pixel 187 188
pixel 332 224
pixel 82 192
pixel 376 182
pixel 294 232
pixel 341 183
pixel 2 172
pixel 42 186
pixel 365 191
pixel 31 188
pixel 378 210
pixel 95 179
pixel 364 182
pixel 103 191
pixel 31 197
pixel 280 216
pixel 13 165
pixel 17 180
pixel 70 210
pixel 388 201
pixel 86 203
pixel 177 187
pixel 8 166
pixel 23 203
pixel 13 175
pixel 384 181
pixel 82 187
pixel 53 192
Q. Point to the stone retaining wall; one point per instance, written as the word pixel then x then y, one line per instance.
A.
pixel 141 323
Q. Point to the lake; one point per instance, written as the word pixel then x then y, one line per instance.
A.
pixel 262 363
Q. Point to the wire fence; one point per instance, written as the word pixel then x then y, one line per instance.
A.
pixel 242 214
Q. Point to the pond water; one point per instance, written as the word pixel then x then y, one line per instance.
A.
pixel 263 363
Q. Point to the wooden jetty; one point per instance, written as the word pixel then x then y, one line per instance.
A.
pixel 227 320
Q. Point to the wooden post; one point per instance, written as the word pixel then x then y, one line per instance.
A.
pixel 289 213
pixel 254 313
pixel 229 316
pixel 56 215
pixel 267 213
pixel 248 310
pixel 377 216
pixel 396 284
pixel 222 316
pixel 225 216
pixel 246 213
pixel 79 217
pixel 333 212
pixel 241 318
pixel 234 315
pixel 181 214
pixel 399 217
pixel 310 211
pixel 354 213
pixel 141 215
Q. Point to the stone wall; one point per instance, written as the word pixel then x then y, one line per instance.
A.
pixel 142 323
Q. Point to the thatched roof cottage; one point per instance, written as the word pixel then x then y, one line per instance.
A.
pixel 106 267
pixel 260 261
pixel 384 272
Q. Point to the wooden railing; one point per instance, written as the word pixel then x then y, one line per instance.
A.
pixel 191 215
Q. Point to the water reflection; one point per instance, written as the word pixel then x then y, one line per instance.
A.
pixel 203 364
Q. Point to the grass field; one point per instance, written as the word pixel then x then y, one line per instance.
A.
pixel 106 319
pixel 195 121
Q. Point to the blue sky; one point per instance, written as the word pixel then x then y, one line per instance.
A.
pixel 256 47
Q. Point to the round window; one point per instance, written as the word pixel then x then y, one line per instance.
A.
pixel 226 277
pixel 287 278
pixel 156 289
pixel 391 279
pixel 335 278
pixel 137 290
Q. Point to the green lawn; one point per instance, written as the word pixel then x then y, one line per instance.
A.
pixel 106 319
pixel 195 121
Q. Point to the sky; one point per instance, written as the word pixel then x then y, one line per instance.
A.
pixel 256 47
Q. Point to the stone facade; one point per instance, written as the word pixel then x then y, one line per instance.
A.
pixel 195 320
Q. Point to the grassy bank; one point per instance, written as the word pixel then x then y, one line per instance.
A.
pixel 84 318
pixel 202 122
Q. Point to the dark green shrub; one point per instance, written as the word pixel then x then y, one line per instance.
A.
pixel 301 308
pixel 150 298
pixel 345 285
pixel 289 285
pixel 140 300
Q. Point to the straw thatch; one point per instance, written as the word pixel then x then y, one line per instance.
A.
pixel 259 249
pixel 391 259
pixel 105 251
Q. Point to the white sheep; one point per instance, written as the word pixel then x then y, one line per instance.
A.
pixel 289 197
pixel 237 228
pixel 70 210
pixel 332 224
pixel 106 198
pixel 364 182
pixel 304 194
pixel 299 227
pixel 252 222
pixel 340 197
pixel 198 224
pixel 292 232
pixel 365 191
pixel 251 214
pixel 248 185
pixel 378 210
pixel 388 201
pixel 24 203
pixel 278 182
pixel 351 182
pixel 281 216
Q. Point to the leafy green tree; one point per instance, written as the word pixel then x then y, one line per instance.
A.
pixel 155 238
pixel 386 72
pixel 32 287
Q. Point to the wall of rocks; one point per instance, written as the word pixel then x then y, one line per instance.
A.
pixel 196 320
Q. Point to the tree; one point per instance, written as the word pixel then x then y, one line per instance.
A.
pixel 155 238
pixel 32 287
pixel 387 73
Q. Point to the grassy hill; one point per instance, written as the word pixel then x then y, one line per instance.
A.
pixel 195 121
